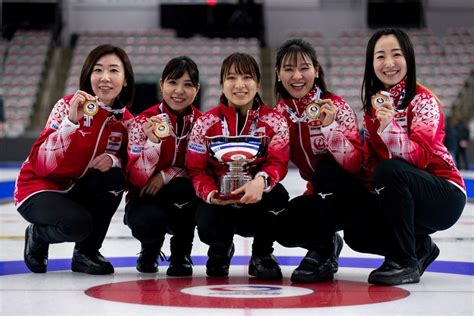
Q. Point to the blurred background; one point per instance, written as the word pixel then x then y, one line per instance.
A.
pixel 44 44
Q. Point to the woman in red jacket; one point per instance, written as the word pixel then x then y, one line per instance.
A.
pixel 241 113
pixel 325 147
pixel 161 198
pixel 418 187
pixel 72 182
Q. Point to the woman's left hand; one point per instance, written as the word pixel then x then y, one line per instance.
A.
pixel 384 114
pixel 102 162
pixel 327 111
pixel 253 191
pixel 153 185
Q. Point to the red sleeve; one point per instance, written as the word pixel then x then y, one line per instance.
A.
pixel 343 138
pixel 50 152
pixel 276 163
pixel 416 147
pixel 197 157
pixel 143 154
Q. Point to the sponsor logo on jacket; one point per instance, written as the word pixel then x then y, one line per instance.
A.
pixel 114 142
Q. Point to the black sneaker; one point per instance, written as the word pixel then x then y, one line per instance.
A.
pixel 314 268
pixel 338 244
pixel 180 266
pixel 35 253
pixel 428 258
pixel 91 263
pixel 147 261
pixel 392 273
pixel 265 267
pixel 219 260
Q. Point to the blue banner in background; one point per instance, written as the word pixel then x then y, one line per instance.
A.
pixel 469 187
pixel 6 189
pixel 7 186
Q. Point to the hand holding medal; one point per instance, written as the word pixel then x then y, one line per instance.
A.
pixel 77 105
pixel 327 111
pixel 380 98
pixel 382 103
pixel 157 128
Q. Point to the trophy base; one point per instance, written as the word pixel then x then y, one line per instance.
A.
pixel 228 196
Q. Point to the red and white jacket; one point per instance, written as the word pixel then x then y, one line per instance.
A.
pixel 414 135
pixel 146 158
pixel 310 142
pixel 223 120
pixel 62 153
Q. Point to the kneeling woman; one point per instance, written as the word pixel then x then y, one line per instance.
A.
pixel 161 198
pixel 241 113
pixel 417 185
pixel 72 182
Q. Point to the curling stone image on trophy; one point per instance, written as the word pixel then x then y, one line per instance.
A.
pixel 238 152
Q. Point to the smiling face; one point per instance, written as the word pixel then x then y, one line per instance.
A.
pixel 179 93
pixel 239 89
pixel 108 78
pixel 389 63
pixel 297 75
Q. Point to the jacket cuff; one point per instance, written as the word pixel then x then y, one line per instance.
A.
pixel 166 179
pixel 208 199
pixel 116 163
pixel 327 130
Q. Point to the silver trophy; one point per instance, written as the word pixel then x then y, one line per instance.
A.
pixel 238 152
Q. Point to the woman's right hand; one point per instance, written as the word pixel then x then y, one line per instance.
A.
pixel 149 126
pixel 153 185
pixel 76 103
pixel 384 114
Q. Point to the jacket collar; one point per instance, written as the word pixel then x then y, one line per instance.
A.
pixel 397 92
pixel 306 100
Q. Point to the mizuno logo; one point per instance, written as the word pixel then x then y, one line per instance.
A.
pixel 276 212
pixel 180 206
pixel 116 193
pixel 84 133
pixel 378 190
pixel 323 195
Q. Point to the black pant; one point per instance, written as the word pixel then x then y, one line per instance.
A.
pixel 310 221
pixel 414 204
pixel 395 223
pixel 171 210
pixel 82 215
pixel 217 224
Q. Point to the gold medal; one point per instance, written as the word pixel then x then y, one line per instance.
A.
pixel 312 111
pixel 162 129
pixel 91 107
pixel 378 99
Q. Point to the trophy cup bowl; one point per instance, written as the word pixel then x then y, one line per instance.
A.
pixel 237 152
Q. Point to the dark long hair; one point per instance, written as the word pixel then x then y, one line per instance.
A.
pixel 125 98
pixel 290 51
pixel 372 84
pixel 243 64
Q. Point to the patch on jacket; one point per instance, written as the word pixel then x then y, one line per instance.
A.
pixel 54 125
pixel 197 148
pixel 114 141
pixel 136 149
